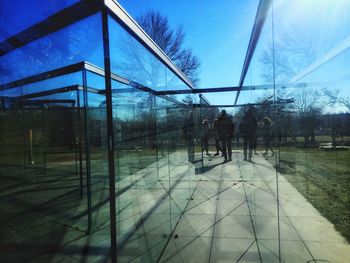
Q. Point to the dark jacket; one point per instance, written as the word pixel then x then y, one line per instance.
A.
pixel 248 126
pixel 225 125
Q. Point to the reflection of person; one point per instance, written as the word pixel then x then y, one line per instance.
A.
pixel 217 138
pixel 188 131
pixel 205 136
pixel 226 131
pixel 248 128
pixel 267 135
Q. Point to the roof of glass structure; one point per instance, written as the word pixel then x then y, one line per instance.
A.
pixel 235 41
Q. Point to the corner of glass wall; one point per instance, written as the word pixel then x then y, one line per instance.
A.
pixel 53 164
pixel 154 179
pixel 142 172
pixel 256 119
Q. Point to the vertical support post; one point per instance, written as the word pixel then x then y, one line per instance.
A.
pixel 201 129
pixel 44 143
pixel 87 151
pixel 30 137
pixel 156 139
pixel 80 148
pixel 110 137
pixel 275 115
pixel 157 136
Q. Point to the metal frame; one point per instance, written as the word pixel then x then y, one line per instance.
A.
pixel 44 75
pixel 260 18
pixel 86 8
pixel 56 91
pixel 81 10
pixel 55 22
pixel 118 13
pixel 81 66
pixel 40 103
pixel 87 149
pixel 76 67
pixel 110 136
pixel 110 8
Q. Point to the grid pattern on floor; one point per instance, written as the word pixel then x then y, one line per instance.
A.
pixel 226 213
pixel 235 217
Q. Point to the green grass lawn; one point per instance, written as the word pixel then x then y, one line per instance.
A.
pixel 323 178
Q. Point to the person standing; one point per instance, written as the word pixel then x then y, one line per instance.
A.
pixel 226 130
pixel 248 127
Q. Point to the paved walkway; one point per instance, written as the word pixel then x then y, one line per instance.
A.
pixel 172 211
pixel 234 217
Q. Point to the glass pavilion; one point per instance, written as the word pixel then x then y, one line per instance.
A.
pixel 94 165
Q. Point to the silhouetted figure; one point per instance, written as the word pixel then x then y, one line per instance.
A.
pixel 217 138
pixel 267 135
pixel 248 127
pixel 205 136
pixel 226 130
pixel 188 131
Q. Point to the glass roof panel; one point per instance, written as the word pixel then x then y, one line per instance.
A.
pixel 15 13
pixel 67 46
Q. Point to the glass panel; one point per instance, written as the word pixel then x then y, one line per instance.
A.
pixel 142 179
pixel 64 47
pixel 22 14
pixel 258 119
pixel 154 178
pixel 312 134
pixel 51 146
pixel 60 82
pixel 133 61
pixel 40 176
pixel 96 149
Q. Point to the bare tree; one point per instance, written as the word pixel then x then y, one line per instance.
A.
pixel 279 58
pixel 333 96
pixel 171 42
pixel 306 99
pixel 309 110
pixel 291 52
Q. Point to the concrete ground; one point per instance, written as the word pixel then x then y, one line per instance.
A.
pixel 234 217
pixel 176 211
pixel 229 213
